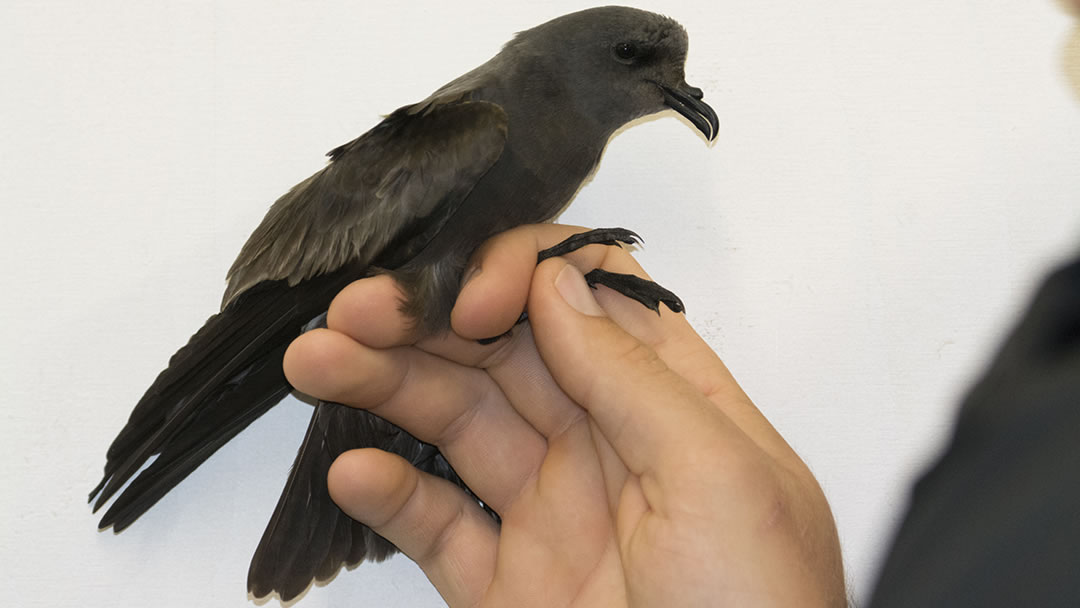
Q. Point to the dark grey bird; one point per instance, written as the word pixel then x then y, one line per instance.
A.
pixel 508 143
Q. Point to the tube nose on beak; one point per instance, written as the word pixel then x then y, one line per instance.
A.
pixel 687 100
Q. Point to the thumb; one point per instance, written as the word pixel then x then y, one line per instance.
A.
pixel 642 406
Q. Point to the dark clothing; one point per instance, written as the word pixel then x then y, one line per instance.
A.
pixel 996 521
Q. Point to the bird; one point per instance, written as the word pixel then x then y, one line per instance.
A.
pixel 506 144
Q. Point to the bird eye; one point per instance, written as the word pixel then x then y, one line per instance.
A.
pixel 625 51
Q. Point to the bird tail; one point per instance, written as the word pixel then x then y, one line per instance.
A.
pixel 309 538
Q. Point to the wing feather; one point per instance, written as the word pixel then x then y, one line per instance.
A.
pixel 393 186
pixel 411 169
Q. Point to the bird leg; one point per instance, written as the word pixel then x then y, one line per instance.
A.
pixel 648 293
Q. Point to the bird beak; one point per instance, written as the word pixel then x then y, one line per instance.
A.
pixel 687 100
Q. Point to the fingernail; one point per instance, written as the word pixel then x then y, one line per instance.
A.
pixel 572 287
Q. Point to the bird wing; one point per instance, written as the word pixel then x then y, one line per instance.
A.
pixel 389 188
pixel 404 177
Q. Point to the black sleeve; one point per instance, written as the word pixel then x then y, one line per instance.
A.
pixel 996 521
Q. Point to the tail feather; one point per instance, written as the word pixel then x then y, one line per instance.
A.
pixel 309 538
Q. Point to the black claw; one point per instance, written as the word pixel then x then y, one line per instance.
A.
pixel 485 341
pixel 599 236
pixel 648 293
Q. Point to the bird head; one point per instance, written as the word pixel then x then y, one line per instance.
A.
pixel 618 64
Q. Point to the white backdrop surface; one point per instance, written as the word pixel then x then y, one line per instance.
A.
pixel 890 181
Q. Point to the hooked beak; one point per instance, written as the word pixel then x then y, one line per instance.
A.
pixel 687 100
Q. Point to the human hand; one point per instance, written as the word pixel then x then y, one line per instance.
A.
pixel 627 465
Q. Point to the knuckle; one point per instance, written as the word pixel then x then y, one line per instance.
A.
pixel 627 360
pixel 638 356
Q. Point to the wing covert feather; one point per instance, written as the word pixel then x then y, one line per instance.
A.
pixel 407 172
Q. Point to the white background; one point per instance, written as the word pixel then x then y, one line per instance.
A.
pixel 890 181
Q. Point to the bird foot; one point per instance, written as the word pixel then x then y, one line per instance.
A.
pixel 648 293
pixel 599 236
